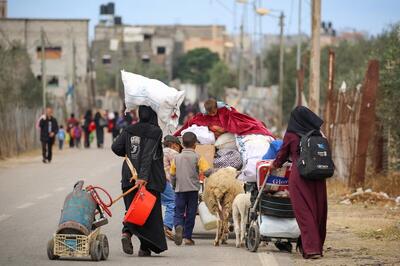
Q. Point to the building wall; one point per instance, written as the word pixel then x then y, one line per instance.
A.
pixel 59 34
pixel 161 44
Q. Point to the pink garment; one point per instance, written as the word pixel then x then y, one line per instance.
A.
pixel 309 199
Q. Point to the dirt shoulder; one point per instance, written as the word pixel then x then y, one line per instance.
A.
pixel 360 234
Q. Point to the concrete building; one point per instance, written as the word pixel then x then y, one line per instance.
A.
pixel 66 55
pixel 159 44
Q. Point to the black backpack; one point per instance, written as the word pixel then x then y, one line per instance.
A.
pixel 315 160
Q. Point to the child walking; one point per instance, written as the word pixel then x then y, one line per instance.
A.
pixel 185 169
pixel 172 147
pixel 77 135
pixel 61 137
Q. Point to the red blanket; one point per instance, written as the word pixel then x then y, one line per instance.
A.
pixel 229 119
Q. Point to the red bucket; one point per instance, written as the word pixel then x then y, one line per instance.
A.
pixel 140 208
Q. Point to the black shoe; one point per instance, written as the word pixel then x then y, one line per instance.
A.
pixel 284 246
pixel 178 235
pixel 144 253
pixel 44 161
pixel 127 246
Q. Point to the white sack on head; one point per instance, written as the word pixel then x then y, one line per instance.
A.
pixel 203 134
pixel 164 100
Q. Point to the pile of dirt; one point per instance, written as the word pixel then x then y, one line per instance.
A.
pixel 371 198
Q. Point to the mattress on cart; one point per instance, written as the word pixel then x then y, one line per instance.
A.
pixel 278 227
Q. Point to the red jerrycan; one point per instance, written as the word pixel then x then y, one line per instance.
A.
pixel 141 207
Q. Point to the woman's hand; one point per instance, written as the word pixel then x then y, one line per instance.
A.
pixel 141 182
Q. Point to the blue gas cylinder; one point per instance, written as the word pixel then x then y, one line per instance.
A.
pixel 78 212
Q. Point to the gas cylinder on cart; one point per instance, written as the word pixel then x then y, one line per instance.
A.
pixel 78 212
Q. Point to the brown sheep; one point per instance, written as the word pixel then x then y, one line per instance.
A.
pixel 221 188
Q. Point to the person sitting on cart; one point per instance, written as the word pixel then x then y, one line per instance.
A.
pixel 185 170
pixel 309 199
pixel 141 143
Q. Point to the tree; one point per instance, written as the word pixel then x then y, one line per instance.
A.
pixel 387 49
pixel 271 63
pixel 194 66
pixel 220 78
pixel 18 85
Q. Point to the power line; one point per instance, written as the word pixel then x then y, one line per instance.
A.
pixel 225 7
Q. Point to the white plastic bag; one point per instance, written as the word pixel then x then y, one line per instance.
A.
pixel 226 141
pixel 203 134
pixel 208 220
pixel 278 227
pixel 164 100
pixel 252 148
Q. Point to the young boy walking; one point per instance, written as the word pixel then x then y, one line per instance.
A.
pixel 61 137
pixel 185 169
pixel 172 147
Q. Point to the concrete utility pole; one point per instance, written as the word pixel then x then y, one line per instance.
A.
pixel 298 58
pixel 241 73
pixel 254 75
pixel 43 67
pixel 73 77
pixel 281 78
pixel 315 56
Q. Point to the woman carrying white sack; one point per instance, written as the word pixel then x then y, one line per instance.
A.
pixel 164 100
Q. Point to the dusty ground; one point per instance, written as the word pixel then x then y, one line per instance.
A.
pixel 360 235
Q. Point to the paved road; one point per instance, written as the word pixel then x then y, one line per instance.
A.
pixel 32 194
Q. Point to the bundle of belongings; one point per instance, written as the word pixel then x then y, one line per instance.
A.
pixel 164 100
pixel 277 183
pixel 240 140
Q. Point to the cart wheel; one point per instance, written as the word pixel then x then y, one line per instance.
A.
pixel 95 250
pixel 105 248
pixel 253 237
pixel 50 250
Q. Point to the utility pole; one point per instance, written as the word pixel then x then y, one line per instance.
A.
pixel 73 76
pixel 281 78
pixel 315 56
pixel 254 75
pixel 43 68
pixel 298 59
pixel 241 74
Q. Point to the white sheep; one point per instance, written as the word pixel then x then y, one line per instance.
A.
pixel 221 188
pixel 240 211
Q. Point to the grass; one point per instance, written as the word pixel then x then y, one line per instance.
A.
pixel 389 183
pixel 391 232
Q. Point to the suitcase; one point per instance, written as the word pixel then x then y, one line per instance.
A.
pixel 277 180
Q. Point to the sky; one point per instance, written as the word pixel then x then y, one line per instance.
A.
pixel 370 16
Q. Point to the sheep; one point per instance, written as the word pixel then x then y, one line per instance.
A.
pixel 221 188
pixel 240 211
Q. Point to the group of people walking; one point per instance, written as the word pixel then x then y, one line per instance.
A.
pixel 172 176
pixel 83 131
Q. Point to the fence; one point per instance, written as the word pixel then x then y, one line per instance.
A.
pixel 343 131
pixel 18 130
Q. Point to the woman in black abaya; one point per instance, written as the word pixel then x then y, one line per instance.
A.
pixel 141 143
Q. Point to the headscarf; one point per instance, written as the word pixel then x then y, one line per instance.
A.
pixel 303 120
pixel 147 115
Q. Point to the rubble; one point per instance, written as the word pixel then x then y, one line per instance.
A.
pixel 369 197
